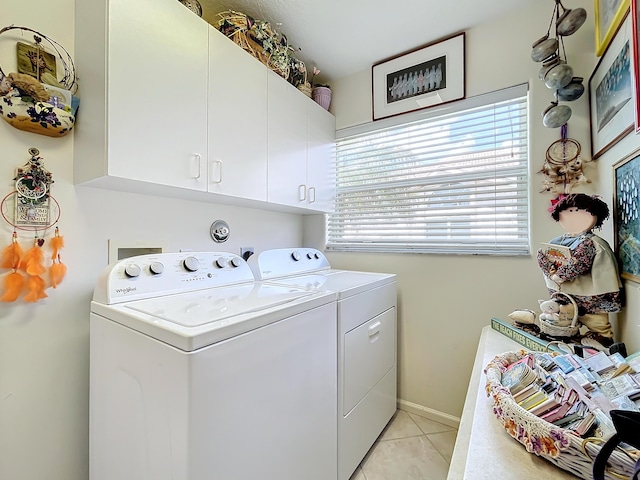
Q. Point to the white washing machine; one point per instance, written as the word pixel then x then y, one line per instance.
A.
pixel 367 338
pixel 198 373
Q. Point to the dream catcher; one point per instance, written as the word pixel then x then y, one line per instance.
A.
pixel 563 166
pixel 31 208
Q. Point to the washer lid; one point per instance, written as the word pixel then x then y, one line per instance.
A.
pixel 190 321
pixel 209 306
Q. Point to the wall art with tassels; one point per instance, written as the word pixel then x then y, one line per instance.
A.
pixel 36 265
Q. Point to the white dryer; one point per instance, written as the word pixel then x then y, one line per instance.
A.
pixel 367 338
pixel 198 372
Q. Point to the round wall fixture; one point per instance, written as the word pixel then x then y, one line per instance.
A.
pixel 220 231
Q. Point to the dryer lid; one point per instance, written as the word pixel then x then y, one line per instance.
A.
pixel 344 282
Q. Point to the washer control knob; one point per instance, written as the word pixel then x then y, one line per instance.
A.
pixel 191 264
pixel 221 262
pixel 236 262
pixel 156 268
pixel 132 270
pixel 295 255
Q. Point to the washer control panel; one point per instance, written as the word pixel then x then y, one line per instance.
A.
pixel 282 262
pixel 155 275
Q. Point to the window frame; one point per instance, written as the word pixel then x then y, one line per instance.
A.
pixel 519 247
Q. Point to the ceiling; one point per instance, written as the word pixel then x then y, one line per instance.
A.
pixel 342 37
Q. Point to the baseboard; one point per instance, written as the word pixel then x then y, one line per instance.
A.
pixel 429 413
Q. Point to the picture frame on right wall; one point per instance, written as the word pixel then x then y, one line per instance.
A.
pixel 611 105
pixel 635 33
pixel 626 216
pixel 609 15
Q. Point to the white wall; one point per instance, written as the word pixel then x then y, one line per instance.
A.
pixel 44 357
pixel 445 301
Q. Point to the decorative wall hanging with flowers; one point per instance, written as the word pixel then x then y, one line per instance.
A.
pixel 32 98
pixel 35 265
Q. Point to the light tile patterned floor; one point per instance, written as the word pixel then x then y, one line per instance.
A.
pixel 411 447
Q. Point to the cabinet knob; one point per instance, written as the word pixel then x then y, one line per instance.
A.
pixel 312 194
pixel 302 193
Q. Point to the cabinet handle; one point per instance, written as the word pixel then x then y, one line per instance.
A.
pixel 302 193
pixel 374 329
pixel 199 159
pixel 219 164
pixel 312 194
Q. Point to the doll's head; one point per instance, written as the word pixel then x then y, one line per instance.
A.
pixel 579 212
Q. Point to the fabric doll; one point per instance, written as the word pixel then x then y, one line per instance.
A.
pixel 591 274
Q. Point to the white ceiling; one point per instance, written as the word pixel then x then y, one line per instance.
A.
pixel 342 37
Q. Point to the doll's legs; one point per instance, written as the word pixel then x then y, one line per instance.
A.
pixel 598 324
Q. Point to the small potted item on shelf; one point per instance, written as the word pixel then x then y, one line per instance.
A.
pixel 321 94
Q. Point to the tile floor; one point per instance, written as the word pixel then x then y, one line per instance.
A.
pixel 411 447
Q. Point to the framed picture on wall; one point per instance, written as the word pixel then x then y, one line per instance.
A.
pixel 635 34
pixel 611 105
pixel 609 15
pixel 37 63
pixel 422 78
pixel 626 222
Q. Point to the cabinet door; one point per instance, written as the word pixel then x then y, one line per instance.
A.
pixel 237 120
pixel 320 156
pixel 157 93
pixel 287 164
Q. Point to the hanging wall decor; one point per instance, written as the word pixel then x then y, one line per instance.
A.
pixel 563 168
pixel 555 72
pixel 30 209
pixel 33 99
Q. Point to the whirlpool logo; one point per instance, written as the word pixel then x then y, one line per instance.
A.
pixel 126 290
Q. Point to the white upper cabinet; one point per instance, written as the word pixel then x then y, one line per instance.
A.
pixel 237 121
pixel 168 105
pixel 287 143
pixel 143 109
pixel 320 158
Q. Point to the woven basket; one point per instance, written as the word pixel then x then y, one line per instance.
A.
pixel 557 330
pixel 240 28
pixel 305 88
pixel 559 446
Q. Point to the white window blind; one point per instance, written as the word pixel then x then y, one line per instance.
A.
pixel 453 182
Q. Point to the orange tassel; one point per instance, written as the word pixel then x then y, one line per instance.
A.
pixel 32 261
pixel 35 289
pixel 12 254
pixel 57 242
pixel 57 273
pixel 13 284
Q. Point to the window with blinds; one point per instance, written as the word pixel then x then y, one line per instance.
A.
pixel 452 181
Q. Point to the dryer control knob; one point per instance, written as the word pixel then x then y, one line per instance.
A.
pixel 310 255
pixel 221 262
pixel 132 270
pixel 156 268
pixel 236 262
pixel 295 255
pixel 191 264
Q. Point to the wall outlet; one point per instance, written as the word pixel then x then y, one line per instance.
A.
pixel 246 252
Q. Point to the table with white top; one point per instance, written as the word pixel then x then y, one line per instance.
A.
pixel 484 449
